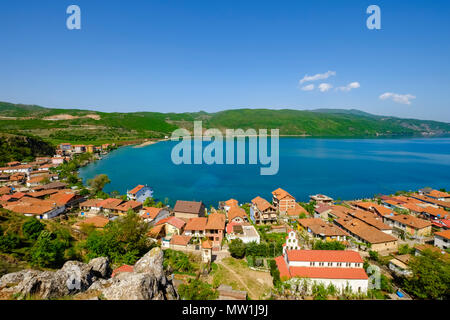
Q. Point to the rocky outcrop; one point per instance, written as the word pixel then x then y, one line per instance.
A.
pixel 147 281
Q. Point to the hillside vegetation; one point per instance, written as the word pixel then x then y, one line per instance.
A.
pixel 22 148
pixel 83 126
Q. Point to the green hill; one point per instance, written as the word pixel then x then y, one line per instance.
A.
pixel 22 148
pixel 84 126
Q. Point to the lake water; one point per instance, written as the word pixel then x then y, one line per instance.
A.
pixel 340 168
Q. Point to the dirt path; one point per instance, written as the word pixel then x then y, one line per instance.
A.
pixel 236 275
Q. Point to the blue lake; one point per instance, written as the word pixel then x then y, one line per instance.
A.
pixel 340 168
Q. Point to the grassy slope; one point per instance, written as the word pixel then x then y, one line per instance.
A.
pixel 140 125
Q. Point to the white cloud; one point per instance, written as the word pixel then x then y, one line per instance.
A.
pixel 323 87
pixel 350 86
pixel 399 98
pixel 309 87
pixel 319 76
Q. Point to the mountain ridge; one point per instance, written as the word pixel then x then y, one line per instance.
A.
pixel 87 126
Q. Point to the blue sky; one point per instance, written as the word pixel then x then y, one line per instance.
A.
pixel 213 55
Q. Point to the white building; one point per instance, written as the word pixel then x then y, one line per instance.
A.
pixel 246 232
pixel 343 269
pixel 291 242
pixel 442 239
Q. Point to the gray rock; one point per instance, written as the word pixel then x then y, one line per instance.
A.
pixel 152 263
pixel 101 267
pixel 133 286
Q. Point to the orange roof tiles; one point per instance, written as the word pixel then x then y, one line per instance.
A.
pixel 324 256
pixel 262 204
pixel 97 221
pixel 444 234
pixel 296 211
pixel 411 221
pixel 235 212
pixel 216 221
pixel 281 194
pixel 180 240
pixel 196 224
pixel 136 189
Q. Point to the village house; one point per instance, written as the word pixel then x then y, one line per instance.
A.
pixel 189 209
pixel 261 211
pixel 140 193
pixel 437 195
pixel 442 239
pixel 322 210
pixel 371 219
pixel 433 201
pixel 282 200
pixel 433 213
pixel 342 269
pixel 21 168
pixel 166 228
pixel 51 185
pixel 226 205
pixel 321 199
pixel 296 212
pixel 322 230
pixel 215 228
pixel 31 207
pixel 196 227
pixel 123 208
pixel 379 241
pixel 58 160
pixel 237 214
pixel 412 225
pixel 80 148
pixel 244 231
pixel 399 265
pixel 152 215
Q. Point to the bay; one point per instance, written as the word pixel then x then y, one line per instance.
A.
pixel 341 168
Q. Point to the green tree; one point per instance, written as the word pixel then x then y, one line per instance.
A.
pixel 123 240
pixel 32 228
pixel 47 251
pixel 328 245
pixel 237 248
pixel 430 276
pixel 98 183
pixel 197 290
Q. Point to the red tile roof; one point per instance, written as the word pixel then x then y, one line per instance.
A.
pixel 196 224
pixel 124 268
pixel 173 221
pixel 444 234
pixel 324 256
pixel 281 194
pixel 136 189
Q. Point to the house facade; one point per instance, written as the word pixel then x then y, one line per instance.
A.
pixel 282 200
pixel 341 268
pixel 140 193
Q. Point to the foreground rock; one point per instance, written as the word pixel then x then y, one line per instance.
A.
pixel 147 281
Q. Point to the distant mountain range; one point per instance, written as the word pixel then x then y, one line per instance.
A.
pixel 84 126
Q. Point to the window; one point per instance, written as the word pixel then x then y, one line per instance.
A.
pixel 330 264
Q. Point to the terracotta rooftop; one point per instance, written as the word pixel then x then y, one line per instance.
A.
pixel 411 221
pixel 364 231
pixel 281 194
pixel 174 221
pixel 150 212
pixel 236 212
pixel 180 240
pixel 324 256
pixel 196 224
pixel 188 206
pixel 216 221
pixel 444 234
pixel 136 189
pixel 296 211
pixel 262 204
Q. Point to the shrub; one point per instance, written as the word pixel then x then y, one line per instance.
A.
pixel 32 228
